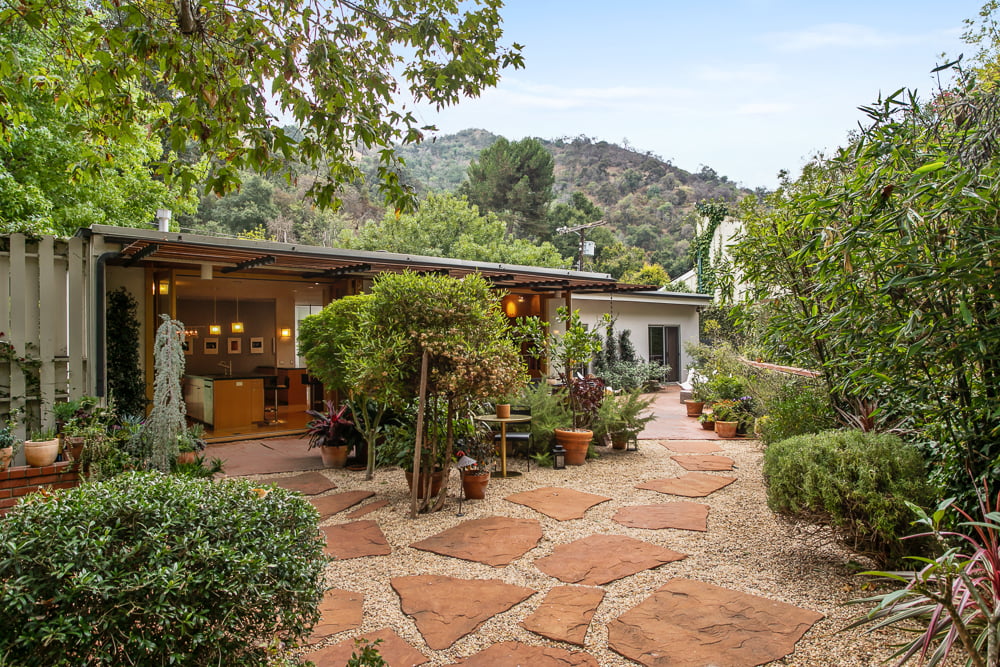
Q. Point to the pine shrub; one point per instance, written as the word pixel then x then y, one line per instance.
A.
pixel 153 569
pixel 858 483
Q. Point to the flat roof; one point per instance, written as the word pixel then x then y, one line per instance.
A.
pixel 151 246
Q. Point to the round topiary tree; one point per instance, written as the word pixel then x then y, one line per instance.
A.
pixel 153 569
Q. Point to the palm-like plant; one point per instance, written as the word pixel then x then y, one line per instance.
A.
pixel 330 428
pixel 957 594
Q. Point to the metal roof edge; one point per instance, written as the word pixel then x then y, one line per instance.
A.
pixel 153 235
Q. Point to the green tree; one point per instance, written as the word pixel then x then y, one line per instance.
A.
pixel 43 188
pixel 446 225
pixel 649 274
pixel 218 72
pixel 879 268
pixel 618 259
pixel 513 178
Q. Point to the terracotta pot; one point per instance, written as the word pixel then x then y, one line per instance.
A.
pixel 619 441
pixel 474 485
pixel 726 429
pixel 187 457
pixel 575 442
pixel 503 410
pixel 694 408
pixel 6 454
pixel 73 446
pixel 437 479
pixel 334 457
pixel 708 425
pixel 41 453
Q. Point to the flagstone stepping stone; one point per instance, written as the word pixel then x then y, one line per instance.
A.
pixel 370 507
pixel 703 462
pixel 692 485
pixel 446 609
pixel 308 483
pixel 692 623
pixel 682 515
pixel 338 502
pixel 691 446
pixel 558 503
pixel 600 559
pixel 393 649
pixel 355 540
pixel 565 613
pixel 516 653
pixel 340 611
pixel 495 540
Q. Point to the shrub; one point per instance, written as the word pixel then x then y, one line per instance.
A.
pixel 154 569
pixel 797 409
pixel 549 411
pixel 858 483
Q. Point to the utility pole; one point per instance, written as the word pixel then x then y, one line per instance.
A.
pixel 581 231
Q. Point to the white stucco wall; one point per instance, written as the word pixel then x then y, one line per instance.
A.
pixel 637 312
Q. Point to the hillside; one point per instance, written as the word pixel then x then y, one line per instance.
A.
pixel 649 203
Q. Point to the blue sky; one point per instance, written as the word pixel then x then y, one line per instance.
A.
pixel 746 87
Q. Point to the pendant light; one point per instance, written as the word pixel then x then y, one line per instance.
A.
pixel 214 329
pixel 237 326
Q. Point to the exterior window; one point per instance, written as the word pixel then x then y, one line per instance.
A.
pixel 301 312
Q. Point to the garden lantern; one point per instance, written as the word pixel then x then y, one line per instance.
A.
pixel 558 457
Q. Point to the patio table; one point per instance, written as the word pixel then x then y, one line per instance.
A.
pixel 503 421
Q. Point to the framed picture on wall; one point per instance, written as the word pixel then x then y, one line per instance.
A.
pixel 187 347
pixel 257 345
pixel 211 346
pixel 235 346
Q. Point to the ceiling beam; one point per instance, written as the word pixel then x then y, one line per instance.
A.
pixel 251 263
pixel 339 271
pixel 142 254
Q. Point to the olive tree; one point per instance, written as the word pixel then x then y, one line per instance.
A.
pixel 374 345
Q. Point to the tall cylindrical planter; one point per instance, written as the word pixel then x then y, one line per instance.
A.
pixel 41 453
pixel 575 442
pixel 503 410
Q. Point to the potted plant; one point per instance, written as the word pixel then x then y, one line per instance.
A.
pixel 726 418
pixel 480 447
pixel 42 448
pixel 699 397
pixel 190 443
pixel 9 442
pixel 707 421
pixel 330 431
pixel 570 350
pixel 620 418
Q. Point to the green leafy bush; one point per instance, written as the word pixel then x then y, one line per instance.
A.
pixel 156 569
pixel 858 483
pixel 797 409
pixel 549 411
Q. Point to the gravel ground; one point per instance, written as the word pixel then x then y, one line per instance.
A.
pixel 745 549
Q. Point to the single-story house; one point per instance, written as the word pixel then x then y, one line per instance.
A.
pixel 241 302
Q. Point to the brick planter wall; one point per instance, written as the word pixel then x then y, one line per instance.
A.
pixel 19 481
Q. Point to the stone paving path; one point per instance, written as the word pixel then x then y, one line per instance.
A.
pixel 683 622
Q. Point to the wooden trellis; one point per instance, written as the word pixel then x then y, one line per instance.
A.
pixel 43 325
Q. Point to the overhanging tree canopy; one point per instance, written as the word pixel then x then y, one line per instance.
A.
pixel 219 73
